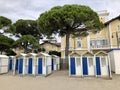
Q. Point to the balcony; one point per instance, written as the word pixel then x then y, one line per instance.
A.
pixel 99 44
pixel 100 47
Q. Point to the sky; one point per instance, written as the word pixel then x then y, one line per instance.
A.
pixel 31 9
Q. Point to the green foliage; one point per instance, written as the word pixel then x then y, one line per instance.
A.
pixel 41 50
pixel 55 53
pixel 27 39
pixel 72 19
pixel 10 52
pixel 4 22
pixel 5 43
pixel 27 27
pixel 77 20
pixel 11 29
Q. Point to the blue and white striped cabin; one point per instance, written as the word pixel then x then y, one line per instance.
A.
pixel 55 62
pixel 19 64
pixel 44 64
pixel 102 62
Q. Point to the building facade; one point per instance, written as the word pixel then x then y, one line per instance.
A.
pixel 107 38
pixel 49 46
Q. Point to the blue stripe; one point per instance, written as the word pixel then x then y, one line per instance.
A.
pixel 72 66
pixel 30 66
pixel 20 66
pixel 85 66
pixel 98 69
pixel 40 66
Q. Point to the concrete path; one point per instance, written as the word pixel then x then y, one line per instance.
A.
pixel 57 81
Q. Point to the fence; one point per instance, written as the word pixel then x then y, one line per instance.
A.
pixel 63 64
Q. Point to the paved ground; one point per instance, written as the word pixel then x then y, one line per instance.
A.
pixel 57 81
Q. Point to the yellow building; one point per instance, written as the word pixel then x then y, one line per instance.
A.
pixel 49 46
pixel 104 40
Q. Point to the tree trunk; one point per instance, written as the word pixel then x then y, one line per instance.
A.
pixel 1 52
pixel 67 49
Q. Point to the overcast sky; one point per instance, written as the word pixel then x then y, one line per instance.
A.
pixel 31 9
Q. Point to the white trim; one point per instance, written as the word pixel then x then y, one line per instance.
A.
pixel 101 52
pixel 24 66
pixel 109 66
pixel 82 66
pixel 95 70
pixel 88 43
pixel 89 63
pixel 14 65
pixel 69 66
pixel 81 49
pixel 87 52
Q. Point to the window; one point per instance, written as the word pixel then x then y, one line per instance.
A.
pixel 78 43
pixel 118 27
pixel 92 43
pixel 119 40
pixel 98 43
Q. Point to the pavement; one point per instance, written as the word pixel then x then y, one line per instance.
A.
pixel 58 80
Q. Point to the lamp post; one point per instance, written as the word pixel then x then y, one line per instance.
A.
pixel 25 43
pixel 116 33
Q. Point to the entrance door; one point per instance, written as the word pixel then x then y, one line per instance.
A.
pixel 10 64
pixel 85 66
pixel 98 68
pixel 30 66
pixel 90 66
pixel 40 66
pixel 72 66
pixel 16 65
pixel 52 64
pixel 104 66
pixel 20 66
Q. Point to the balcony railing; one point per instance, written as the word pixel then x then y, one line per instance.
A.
pixel 98 43
pixel 100 47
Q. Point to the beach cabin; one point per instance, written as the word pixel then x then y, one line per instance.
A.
pixel 55 62
pixel 20 64
pixel 44 64
pixel 115 60
pixel 102 62
pixel 31 63
pixel 11 63
pixel 75 64
pixel 3 64
pixel 88 65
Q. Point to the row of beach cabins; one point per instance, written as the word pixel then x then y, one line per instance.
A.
pixel 100 64
pixel 29 64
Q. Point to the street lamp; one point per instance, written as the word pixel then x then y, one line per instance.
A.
pixel 25 43
pixel 116 33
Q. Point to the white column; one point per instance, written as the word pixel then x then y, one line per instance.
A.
pixel 95 65
pixel 34 65
pixel 109 66
pixel 81 66
pixel 69 65
pixel 14 66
